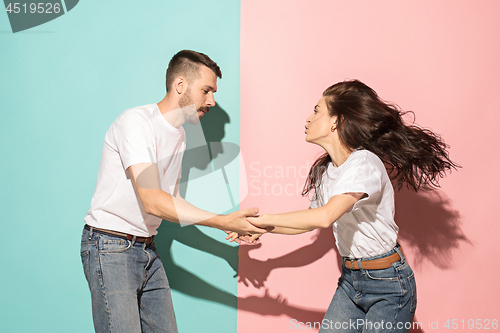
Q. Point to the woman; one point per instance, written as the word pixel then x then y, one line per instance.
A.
pixel 366 144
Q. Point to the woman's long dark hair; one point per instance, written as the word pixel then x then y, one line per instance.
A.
pixel 414 156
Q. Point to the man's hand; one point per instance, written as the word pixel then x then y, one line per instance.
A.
pixel 238 223
pixel 175 209
pixel 248 238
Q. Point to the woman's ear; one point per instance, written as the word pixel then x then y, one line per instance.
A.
pixel 333 124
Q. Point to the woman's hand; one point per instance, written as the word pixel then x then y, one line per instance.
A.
pixel 232 236
pixel 249 239
pixel 253 238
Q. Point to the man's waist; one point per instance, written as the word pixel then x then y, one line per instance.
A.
pixel 139 226
pixel 119 234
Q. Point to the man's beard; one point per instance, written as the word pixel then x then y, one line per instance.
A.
pixel 189 108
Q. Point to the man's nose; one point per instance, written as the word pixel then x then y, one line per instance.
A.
pixel 210 100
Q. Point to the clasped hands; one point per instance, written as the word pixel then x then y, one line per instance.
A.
pixel 253 238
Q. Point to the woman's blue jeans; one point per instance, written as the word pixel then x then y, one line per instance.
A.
pixel 382 300
pixel 128 285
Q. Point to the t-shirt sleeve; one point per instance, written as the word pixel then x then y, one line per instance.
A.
pixel 134 139
pixel 314 204
pixel 361 176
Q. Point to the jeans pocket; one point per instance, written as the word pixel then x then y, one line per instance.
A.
pixel 387 274
pixel 115 245
pixel 413 287
pixel 385 282
pixel 85 262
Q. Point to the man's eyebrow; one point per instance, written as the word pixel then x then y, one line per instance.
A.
pixel 317 106
pixel 210 88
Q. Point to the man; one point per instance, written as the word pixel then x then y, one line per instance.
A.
pixel 138 186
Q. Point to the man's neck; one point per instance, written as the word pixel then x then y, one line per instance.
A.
pixel 171 111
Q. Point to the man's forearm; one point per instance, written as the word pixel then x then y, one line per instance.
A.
pixel 178 210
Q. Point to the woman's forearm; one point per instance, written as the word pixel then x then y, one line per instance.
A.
pixel 309 219
pixel 288 231
pixel 302 220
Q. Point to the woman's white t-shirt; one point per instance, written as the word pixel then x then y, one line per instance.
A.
pixel 368 228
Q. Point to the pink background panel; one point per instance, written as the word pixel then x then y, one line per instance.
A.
pixel 437 58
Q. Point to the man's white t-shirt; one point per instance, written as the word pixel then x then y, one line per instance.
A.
pixel 138 135
pixel 368 228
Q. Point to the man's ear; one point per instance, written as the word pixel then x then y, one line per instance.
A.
pixel 180 85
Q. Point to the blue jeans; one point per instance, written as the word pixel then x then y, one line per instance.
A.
pixel 128 285
pixel 382 300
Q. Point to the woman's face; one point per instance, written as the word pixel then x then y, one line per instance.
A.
pixel 319 125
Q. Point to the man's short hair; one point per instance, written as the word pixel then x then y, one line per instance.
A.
pixel 187 63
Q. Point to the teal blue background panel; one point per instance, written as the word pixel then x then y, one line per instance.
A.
pixel 62 85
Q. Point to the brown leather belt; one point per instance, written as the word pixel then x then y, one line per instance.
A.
pixel 380 263
pixel 147 240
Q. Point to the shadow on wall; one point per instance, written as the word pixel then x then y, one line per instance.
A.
pixel 199 161
pixel 428 224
